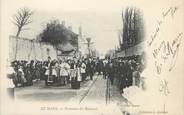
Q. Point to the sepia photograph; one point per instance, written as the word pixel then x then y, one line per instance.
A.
pixel 65 57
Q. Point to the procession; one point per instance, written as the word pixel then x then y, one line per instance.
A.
pixel 73 71
pixel 77 63
pixel 92 57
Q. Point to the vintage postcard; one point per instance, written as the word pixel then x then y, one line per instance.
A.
pixel 92 57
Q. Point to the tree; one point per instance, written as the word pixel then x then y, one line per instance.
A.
pixel 21 19
pixel 56 33
pixel 133 28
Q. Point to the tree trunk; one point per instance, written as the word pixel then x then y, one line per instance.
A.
pixel 16 47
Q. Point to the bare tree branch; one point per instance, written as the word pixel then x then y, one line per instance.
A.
pixel 21 19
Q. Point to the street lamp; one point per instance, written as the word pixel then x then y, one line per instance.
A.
pixel 89 44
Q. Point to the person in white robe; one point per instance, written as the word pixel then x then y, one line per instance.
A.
pixel 64 72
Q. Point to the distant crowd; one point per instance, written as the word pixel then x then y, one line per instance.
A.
pixel 64 71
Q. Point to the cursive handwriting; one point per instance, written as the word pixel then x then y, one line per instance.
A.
pixel 167 51
pixel 170 11
pixel 164 87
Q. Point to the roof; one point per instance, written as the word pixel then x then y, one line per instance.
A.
pixel 67 47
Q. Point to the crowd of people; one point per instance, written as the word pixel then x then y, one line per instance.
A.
pixel 126 72
pixel 64 71
pixel 54 72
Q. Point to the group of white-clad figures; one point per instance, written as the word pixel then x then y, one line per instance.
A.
pixel 62 72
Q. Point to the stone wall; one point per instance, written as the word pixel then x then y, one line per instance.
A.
pixel 30 49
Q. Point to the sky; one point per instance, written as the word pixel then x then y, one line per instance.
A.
pixel 100 20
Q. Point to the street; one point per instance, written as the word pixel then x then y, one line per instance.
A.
pixel 95 91
pixel 40 92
